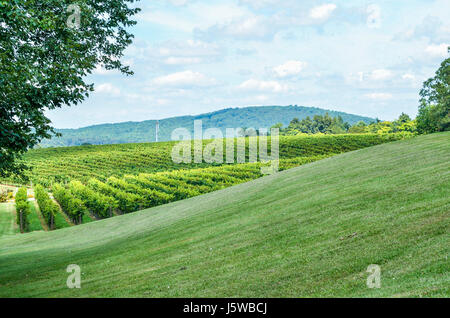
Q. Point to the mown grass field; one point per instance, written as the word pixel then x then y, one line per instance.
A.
pixel 7 220
pixel 34 218
pixel 307 231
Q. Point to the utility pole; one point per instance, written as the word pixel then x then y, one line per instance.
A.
pixel 157 130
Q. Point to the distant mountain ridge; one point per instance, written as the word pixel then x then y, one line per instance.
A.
pixel 134 132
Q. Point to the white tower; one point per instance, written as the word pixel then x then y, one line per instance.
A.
pixel 157 130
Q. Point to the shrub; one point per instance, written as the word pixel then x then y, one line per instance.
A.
pixel 48 208
pixel 22 210
pixel 72 206
pixel 3 196
pixel 99 204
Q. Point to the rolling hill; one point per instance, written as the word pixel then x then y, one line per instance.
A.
pixel 134 132
pixel 307 231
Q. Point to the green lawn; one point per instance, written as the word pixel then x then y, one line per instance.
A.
pixel 7 221
pixel 33 218
pixel 308 231
pixel 87 218
pixel 60 221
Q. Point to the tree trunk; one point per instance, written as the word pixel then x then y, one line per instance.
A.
pixel 52 222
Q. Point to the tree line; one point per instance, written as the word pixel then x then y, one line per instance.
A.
pixel 335 125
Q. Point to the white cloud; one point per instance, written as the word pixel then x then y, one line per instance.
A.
pixel 173 60
pixel 188 48
pixel 408 76
pixel 108 88
pixel 142 98
pixel 186 78
pixel 99 70
pixel 438 50
pixel 186 52
pixel 381 74
pixel 289 68
pixel 166 19
pixel 258 4
pixel 379 96
pixel 323 11
pixel 194 14
pixel 251 27
pixel 162 101
pixel 209 13
pixel 431 28
pixel 263 86
pixel 261 98
pixel 178 2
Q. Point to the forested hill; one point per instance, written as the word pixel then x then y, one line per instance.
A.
pixel 130 132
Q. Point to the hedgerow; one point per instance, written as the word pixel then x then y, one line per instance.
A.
pixel 99 204
pixel 22 210
pixel 48 208
pixel 72 206
pixel 127 202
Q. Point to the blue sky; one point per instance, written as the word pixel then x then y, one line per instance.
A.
pixel 191 56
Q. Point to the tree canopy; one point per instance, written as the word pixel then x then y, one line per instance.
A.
pixel 318 124
pixel 47 48
pixel 434 109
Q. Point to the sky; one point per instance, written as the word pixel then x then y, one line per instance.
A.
pixel 195 56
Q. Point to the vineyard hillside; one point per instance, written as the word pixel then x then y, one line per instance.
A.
pixel 61 165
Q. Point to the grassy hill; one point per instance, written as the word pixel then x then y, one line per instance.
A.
pixel 135 132
pixel 307 231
